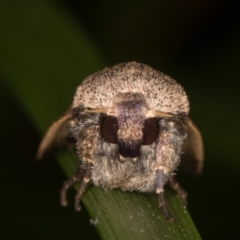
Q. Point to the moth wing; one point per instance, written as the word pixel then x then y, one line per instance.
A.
pixel 58 134
pixel 193 155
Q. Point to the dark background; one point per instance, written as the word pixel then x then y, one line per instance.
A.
pixel 195 42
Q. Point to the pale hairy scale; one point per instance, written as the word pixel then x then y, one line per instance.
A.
pixel 140 176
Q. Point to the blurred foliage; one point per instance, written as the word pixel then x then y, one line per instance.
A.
pixel 197 43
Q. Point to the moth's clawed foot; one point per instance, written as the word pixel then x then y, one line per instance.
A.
pixel 63 197
pixel 179 190
pixel 63 202
pixel 78 208
pixel 66 185
pixel 164 207
pixel 81 190
pixel 77 203
pixel 166 213
pixel 184 199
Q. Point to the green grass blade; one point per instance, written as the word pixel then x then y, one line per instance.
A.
pixel 132 215
pixel 43 58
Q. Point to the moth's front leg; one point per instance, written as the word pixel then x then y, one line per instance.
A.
pixel 84 184
pixel 179 190
pixel 67 184
pixel 160 192
pixel 168 151
pixel 86 146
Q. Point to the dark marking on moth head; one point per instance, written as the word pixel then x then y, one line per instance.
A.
pixel 129 149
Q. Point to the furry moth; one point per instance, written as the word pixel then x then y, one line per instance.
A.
pixel 132 131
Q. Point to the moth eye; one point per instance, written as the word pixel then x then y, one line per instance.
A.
pixel 109 127
pixel 150 131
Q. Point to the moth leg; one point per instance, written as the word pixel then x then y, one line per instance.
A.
pixel 179 190
pixel 168 151
pixel 84 184
pixel 87 145
pixel 160 192
pixel 67 184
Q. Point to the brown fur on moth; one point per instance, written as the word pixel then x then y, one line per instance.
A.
pixel 132 131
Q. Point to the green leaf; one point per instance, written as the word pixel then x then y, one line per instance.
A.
pixel 44 56
pixel 129 215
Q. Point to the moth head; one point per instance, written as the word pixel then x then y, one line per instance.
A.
pixel 130 123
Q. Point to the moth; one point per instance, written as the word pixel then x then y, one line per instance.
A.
pixel 132 131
